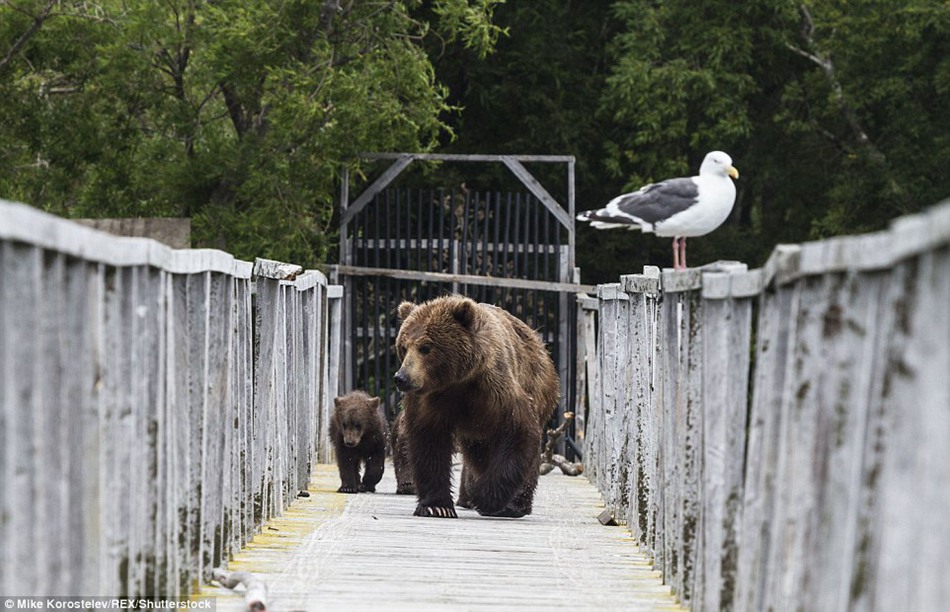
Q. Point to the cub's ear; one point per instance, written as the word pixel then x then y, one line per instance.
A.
pixel 464 313
pixel 337 402
pixel 374 402
pixel 405 309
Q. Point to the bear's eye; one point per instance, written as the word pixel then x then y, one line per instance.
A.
pixel 425 349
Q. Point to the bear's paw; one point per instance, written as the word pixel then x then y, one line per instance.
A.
pixel 508 511
pixel 436 511
pixel 346 489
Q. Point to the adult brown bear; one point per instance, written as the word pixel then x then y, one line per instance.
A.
pixel 358 432
pixel 475 376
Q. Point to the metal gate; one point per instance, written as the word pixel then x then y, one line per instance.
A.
pixel 514 249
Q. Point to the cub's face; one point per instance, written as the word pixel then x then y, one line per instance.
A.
pixel 351 426
pixel 353 417
pixel 435 344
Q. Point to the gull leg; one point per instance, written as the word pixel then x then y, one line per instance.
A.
pixel 676 253
pixel 683 252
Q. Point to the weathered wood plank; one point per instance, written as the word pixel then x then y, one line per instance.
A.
pixel 19 290
pixel 145 368
pixel 909 476
pixel 22 223
pixel 52 427
pixel 727 325
pixel 468 279
pixel 613 323
pixel 772 353
pixel 588 369
pixel 849 328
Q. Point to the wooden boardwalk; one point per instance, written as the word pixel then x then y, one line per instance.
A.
pixel 367 552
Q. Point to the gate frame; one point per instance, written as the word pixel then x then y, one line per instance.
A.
pixel 567 284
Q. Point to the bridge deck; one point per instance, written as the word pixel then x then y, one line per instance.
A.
pixel 352 552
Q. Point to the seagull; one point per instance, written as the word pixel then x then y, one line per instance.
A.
pixel 678 207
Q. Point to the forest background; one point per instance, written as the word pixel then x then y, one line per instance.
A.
pixel 242 114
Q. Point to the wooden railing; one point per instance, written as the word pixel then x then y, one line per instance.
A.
pixel 152 413
pixel 779 438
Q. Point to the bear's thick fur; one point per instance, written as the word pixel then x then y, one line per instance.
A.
pixel 400 446
pixel 473 375
pixel 358 431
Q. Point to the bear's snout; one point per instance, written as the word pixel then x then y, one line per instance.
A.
pixel 402 380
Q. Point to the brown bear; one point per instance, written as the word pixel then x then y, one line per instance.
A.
pixel 358 431
pixel 474 376
pixel 400 446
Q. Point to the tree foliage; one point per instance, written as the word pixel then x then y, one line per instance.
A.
pixel 237 114
pixel 835 112
pixel 241 114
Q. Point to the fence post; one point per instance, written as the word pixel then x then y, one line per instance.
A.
pixel 587 372
pixel 332 372
pixel 727 324
pixel 644 292
pixel 608 429
pixel 680 397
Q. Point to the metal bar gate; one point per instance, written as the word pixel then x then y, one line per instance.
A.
pixel 514 249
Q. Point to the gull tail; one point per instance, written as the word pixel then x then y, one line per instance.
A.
pixel 602 219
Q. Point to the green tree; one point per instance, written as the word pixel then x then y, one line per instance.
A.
pixel 237 114
pixel 834 112
pixel 873 85
pixel 538 92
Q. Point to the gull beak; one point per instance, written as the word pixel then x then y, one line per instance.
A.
pixel 733 172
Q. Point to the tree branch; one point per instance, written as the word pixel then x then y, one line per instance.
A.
pixel 827 66
pixel 549 459
pixel 38 21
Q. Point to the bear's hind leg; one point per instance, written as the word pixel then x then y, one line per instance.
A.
pixel 400 446
pixel 517 507
pixel 506 487
pixel 465 496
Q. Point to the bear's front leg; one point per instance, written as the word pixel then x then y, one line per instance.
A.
pixel 373 473
pixel 349 465
pixel 430 450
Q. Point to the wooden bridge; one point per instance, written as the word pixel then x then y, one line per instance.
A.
pixel 767 439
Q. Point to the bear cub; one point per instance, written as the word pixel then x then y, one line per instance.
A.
pixel 358 432
pixel 476 378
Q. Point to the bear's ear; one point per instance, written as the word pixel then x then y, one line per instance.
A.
pixel 405 309
pixel 374 402
pixel 337 402
pixel 464 313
